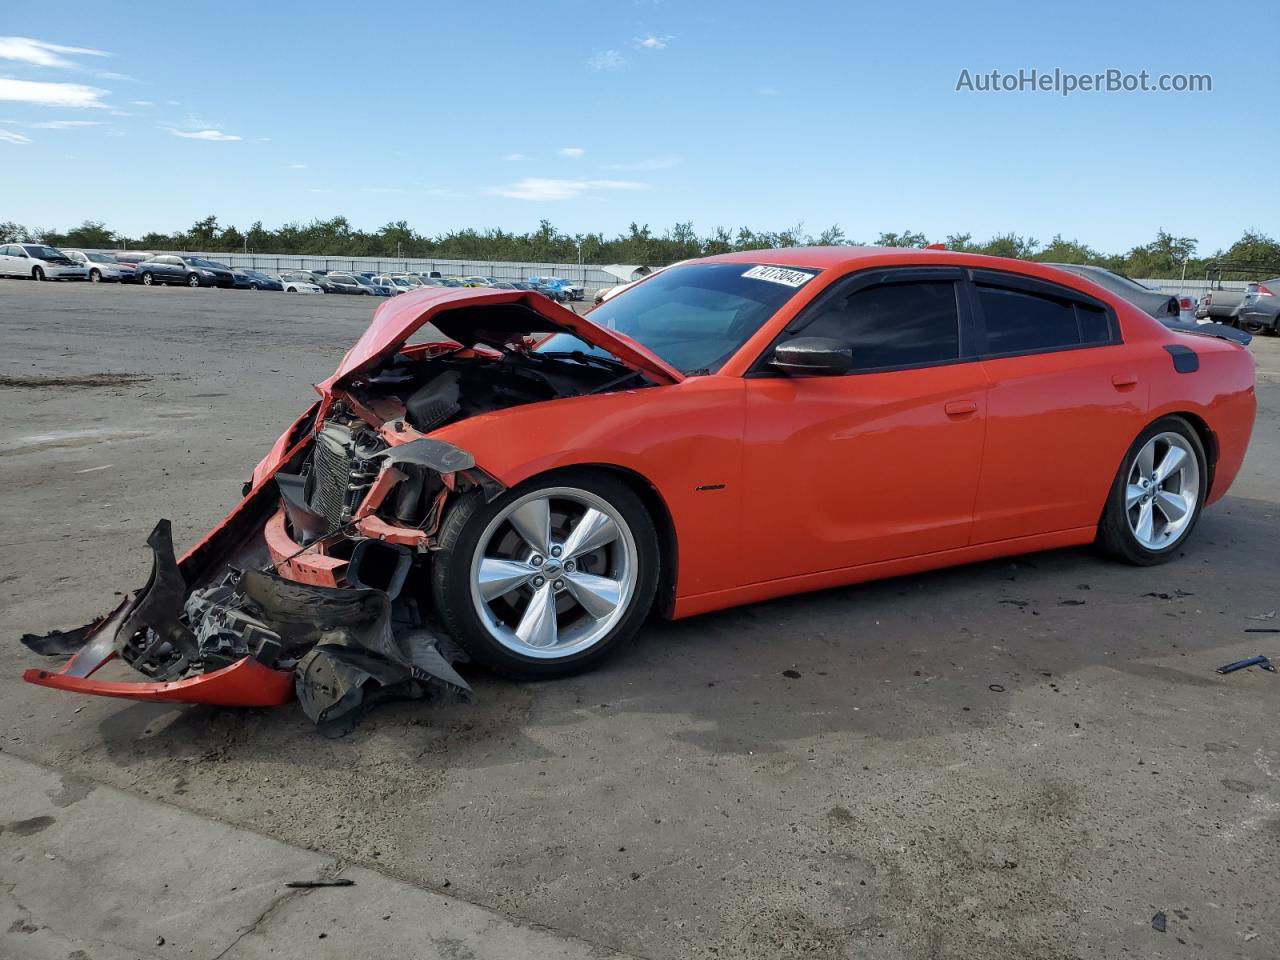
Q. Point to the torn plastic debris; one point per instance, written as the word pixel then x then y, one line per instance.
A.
pixel 252 638
pixel 1258 661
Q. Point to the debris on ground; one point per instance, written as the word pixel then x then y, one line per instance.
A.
pixel 1158 921
pixel 1258 661
pixel 791 674
pixel 312 884
pixel 1264 616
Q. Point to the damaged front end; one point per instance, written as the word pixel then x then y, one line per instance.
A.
pixel 314 585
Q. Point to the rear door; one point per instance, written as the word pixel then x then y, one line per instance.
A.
pixel 1065 403
pixel 8 260
pixel 880 463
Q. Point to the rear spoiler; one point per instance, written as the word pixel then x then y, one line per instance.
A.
pixel 1219 330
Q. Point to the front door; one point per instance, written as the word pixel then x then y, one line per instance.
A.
pixel 877 464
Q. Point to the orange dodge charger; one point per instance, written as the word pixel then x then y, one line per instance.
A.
pixel 489 476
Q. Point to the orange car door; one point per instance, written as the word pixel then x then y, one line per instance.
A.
pixel 876 464
pixel 1066 401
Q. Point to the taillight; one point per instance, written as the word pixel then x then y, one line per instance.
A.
pixel 1264 290
pixel 1185 303
pixel 1208 299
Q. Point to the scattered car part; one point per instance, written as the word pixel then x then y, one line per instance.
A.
pixel 1258 661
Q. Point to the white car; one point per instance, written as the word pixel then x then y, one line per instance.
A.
pixel 37 261
pixel 398 285
pixel 101 266
pixel 297 285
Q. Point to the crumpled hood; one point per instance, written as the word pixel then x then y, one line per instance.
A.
pixel 453 312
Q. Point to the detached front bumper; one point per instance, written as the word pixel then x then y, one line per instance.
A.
pixel 251 618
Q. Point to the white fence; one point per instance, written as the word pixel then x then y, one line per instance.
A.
pixel 590 277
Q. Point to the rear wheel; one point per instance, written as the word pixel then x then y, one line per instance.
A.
pixel 1157 495
pixel 551 577
pixel 1252 326
pixel 147 280
pixel 37 273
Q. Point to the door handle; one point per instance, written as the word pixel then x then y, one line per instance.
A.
pixel 1124 381
pixel 960 408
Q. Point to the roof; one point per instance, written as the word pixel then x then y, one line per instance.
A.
pixel 851 258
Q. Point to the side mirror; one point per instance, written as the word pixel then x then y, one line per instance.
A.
pixel 812 356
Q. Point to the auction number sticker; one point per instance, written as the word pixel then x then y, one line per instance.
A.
pixel 788 278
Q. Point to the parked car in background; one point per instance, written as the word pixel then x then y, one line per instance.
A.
pixel 36 261
pixel 174 270
pixel 564 290
pixel 363 283
pixel 397 284
pixel 100 266
pixel 1165 307
pixel 1259 312
pixel 255 280
pixel 299 277
pixel 299 281
pixel 347 283
pixel 412 278
pixel 1219 305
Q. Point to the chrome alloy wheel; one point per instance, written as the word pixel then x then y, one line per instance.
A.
pixel 554 572
pixel 1162 491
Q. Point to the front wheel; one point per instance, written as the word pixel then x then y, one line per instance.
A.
pixel 1157 496
pixel 147 280
pixel 37 274
pixel 550 578
pixel 193 280
pixel 95 276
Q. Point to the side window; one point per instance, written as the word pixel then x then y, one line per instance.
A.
pixel 894 325
pixel 1019 322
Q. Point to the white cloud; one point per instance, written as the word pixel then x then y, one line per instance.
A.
pixel 110 75
pixel 297 166
pixel 217 135
pixel 571 151
pixel 536 188
pixel 62 124
pixel 142 103
pixel 382 190
pixel 654 163
pixel 514 156
pixel 607 60
pixel 51 94
pixel 652 42
pixel 8 136
pixel 40 54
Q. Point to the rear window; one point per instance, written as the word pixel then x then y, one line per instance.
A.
pixel 1019 322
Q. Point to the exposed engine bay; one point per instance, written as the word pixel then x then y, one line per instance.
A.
pixel 314 586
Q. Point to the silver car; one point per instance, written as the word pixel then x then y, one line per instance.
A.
pixel 101 266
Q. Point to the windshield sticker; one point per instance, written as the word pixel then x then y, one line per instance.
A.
pixel 788 278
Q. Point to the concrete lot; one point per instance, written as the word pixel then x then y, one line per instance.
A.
pixel 1024 758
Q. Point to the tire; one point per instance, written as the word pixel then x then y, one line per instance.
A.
pixel 579 638
pixel 1120 530
pixel 1253 326
pixel 95 276
pixel 193 280
pixel 147 279
pixel 37 274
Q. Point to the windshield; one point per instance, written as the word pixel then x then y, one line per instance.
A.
pixel 40 252
pixel 695 317
pixel 206 264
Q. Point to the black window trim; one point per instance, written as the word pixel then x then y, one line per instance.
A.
pixel 858 280
pixel 1020 283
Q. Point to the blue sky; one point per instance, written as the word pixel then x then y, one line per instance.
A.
pixel 595 114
